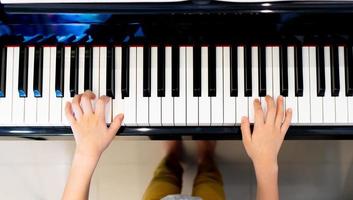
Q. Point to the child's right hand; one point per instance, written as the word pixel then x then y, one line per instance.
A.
pixel 264 143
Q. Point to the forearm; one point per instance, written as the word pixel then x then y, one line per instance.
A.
pixel 267 181
pixel 81 172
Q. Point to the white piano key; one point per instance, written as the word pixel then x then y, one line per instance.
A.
pixel 155 101
pixel 167 100
pixel 276 75
pixel 315 101
pixel 81 69
pixel 18 104
pixel 242 103
pixel 350 109
pixel 304 101
pixel 217 101
pixel 255 81
pixel 269 79
pixel 130 101
pixel 30 101
pixel 141 102
pixel 67 95
pixel 55 102
pixel 204 100
pixel 96 72
pixel 6 103
pixel 291 100
pixel 43 103
pixel 180 102
pixel 328 101
pixel 118 102
pixel 191 101
pixel 341 99
pixel 275 72
pixel 103 82
pixel 229 102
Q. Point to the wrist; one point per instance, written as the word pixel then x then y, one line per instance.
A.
pixel 85 157
pixel 266 170
pixel 89 152
pixel 265 163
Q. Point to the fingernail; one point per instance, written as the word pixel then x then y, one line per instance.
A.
pixel 243 119
pixel 289 109
pixel 121 116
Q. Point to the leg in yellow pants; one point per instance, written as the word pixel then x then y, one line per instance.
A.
pixel 168 180
pixel 208 182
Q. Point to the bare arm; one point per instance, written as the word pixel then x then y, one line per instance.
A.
pixel 264 143
pixel 92 137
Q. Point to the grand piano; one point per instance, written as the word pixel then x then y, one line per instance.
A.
pixel 177 68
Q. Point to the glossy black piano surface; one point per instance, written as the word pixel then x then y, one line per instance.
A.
pixel 314 23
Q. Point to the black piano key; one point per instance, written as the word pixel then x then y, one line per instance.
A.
pixel 59 71
pixel 211 71
pixel 3 57
pixel 233 71
pixel 349 70
pixel 125 71
pixel 298 71
pixel 147 71
pixel 88 68
pixel 247 71
pixel 175 71
pixel 74 62
pixel 335 82
pixel 110 81
pixel 23 72
pixel 161 72
pixel 320 71
pixel 283 69
pixel 262 71
pixel 197 71
pixel 38 72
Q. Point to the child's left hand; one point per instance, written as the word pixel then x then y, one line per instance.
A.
pixel 90 130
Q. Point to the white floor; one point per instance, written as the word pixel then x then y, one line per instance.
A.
pixel 313 170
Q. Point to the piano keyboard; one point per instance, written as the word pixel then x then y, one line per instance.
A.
pixel 177 85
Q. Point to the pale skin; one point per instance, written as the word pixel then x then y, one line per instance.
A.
pixel 264 143
pixel 92 137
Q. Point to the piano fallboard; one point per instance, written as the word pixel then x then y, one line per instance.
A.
pixel 163 133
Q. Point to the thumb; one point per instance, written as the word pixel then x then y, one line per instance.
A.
pixel 245 130
pixel 115 125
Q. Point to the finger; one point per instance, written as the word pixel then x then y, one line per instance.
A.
pixel 280 111
pixel 90 94
pixel 100 106
pixel 69 113
pixel 86 101
pixel 271 110
pixel 286 122
pixel 258 112
pixel 245 130
pixel 76 106
pixel 115 125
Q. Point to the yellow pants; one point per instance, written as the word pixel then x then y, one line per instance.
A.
pixel 167 180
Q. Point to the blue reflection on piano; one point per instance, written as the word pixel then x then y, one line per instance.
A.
pixel 62 25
